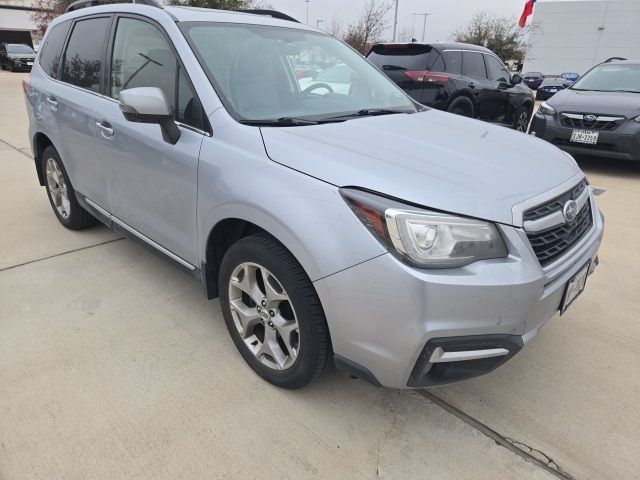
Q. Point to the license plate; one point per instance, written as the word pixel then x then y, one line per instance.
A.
pixel 29 63
pixel 553 90
pixel 574 288
pixel 585 136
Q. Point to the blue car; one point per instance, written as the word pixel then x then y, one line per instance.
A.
pixel 570 77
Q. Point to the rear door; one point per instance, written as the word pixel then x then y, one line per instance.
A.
pixel 405 64
pixel 70 103
pixel 152 184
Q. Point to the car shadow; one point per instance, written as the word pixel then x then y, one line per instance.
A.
pixel 609 166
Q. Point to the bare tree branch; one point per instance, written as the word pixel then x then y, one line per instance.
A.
pixel 370 26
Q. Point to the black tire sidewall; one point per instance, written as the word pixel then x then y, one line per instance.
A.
pixel 251 249
pixel 462 106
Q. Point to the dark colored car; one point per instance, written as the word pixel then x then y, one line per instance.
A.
pixel 16 56
pixel 533 80
pixel 551 86
pixel 598 115
pixel 459 78
pixel 570 77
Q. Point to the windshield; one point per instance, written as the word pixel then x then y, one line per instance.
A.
pixel 611 78
pixel 267 73
pixel 19 49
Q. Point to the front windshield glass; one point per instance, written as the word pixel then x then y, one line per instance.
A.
pixel 267 73
pixel 19 49
pixel 611 78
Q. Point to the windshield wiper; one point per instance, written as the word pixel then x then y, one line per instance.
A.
pixel 365 112
pixel 393 67
pixel 280 122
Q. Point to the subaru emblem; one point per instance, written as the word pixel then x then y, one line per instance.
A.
pixel 570 211
pixel 590 118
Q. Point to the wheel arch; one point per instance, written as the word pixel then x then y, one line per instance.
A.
pixel 466 95
pixel 40 143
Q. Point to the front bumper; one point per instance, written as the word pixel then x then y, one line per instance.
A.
pixel 387 319
pixel 622 143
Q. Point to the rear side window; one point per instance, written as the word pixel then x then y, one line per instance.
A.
pixel 473 65
pixel 453 62
pixel 52 50
pixel 83 58
pixel 410 57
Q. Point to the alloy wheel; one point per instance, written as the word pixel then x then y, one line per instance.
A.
pixel 264 316
pixel 523 122
pixel 58 188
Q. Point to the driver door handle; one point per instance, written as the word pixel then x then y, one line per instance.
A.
pixel 472 85
pixel 105 128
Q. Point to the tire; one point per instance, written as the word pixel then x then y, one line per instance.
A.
pixel 261 256
pixel 462 106
pixel 69 212
pixel 522 119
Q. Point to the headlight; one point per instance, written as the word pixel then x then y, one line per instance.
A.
pixel 547 109
pixel 424 238
pixel 637 119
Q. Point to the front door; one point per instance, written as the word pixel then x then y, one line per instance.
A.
pixel 152 184
pixel 501 89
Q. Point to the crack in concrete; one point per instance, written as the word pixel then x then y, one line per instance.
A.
pixel 16 148
pixel 521 449
pixel 11 267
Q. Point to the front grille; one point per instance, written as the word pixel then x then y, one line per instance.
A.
pixel 602 125
pixel 555 205
pixel 551 244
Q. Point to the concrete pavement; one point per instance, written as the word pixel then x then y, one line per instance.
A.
pixel 113 365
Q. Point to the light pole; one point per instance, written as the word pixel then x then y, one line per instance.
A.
pixel 395 21
pixel 318 22
pixel 308 1
pixel 424 24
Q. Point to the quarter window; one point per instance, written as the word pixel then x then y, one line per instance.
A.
pixel 52 50
pixel 83 58
pixel 142 57
pixel 473 65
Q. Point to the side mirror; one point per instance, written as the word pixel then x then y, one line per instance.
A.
pixel 516 79
pixel 149 105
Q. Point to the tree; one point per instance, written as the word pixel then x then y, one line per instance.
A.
pixel 501 35
pixel 335 28
pixel 46 11
pixel 370 26
pixel 220 4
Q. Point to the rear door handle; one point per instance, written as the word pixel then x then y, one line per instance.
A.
pixel 106 129
pixel 52 103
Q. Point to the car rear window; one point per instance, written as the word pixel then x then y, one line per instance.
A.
pixel 410 57
pixel 51 52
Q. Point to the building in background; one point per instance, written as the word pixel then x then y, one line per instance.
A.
pixel 16 25
pixel 573 36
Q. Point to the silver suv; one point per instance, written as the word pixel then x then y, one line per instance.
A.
pixel 335 218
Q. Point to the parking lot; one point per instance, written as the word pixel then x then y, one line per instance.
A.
pixel 114 365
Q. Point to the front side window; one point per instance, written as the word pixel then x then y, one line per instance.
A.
pixel 473 65
pixel 51 52
pixel 83 58
pixel 253 68
pixel 495 70
pixel 611 78
pixel 142 57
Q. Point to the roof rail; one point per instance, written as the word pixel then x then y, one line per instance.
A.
pixel 92 3
pixel 614 59
pixel 271 13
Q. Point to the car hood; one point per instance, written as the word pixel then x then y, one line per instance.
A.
pixel 621 103
pixel 434 159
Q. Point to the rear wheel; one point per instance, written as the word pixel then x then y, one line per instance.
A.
pixel 462 106
pixel 61 194
pixel 273 313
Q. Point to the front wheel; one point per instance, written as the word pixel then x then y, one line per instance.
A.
pixel 273 313
pixel 523 117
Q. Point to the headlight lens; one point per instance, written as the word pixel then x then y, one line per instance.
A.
pixel 637 119
pixel 547 109
pixel 423 238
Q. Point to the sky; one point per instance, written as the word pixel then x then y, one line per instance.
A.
pixel 447 15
